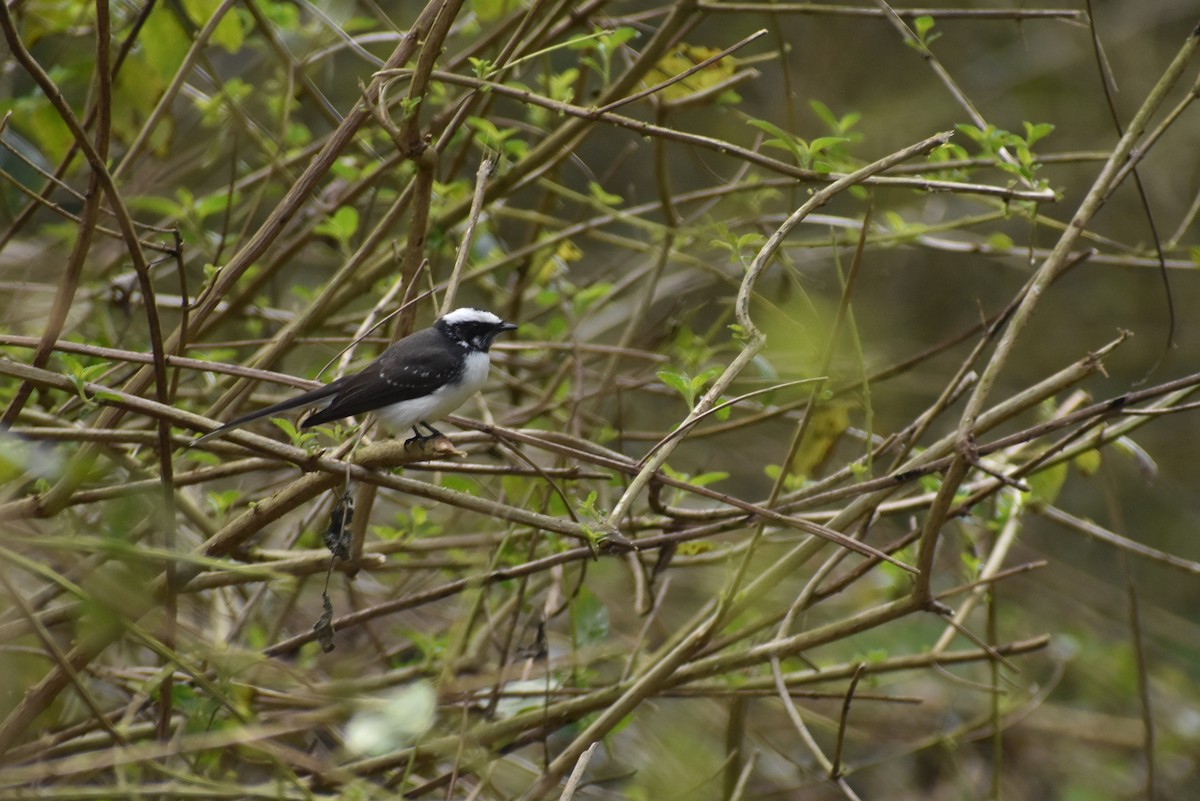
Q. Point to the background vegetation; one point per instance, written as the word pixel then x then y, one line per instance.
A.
pixel 799 286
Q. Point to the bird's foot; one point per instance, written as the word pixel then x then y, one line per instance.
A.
pixel 421 441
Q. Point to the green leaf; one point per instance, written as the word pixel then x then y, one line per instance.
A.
pixel 214 204
pixel 589 618
pixel 784 140
pixel 492 10
pixel 297 435
pixel 620 36
pixel 838 126
pixel 228 33
pixel 826 152
pixel 222 502
pixel 700 381
pixel 1045 485
pixel 609 39
pixel 587 506
pixel 1000 241
pixel 163 41
pixel 80 374
pixel 590 295
pixel 482 68
pixel 158 205
pixel 922 26
pixel 822 111
pixel 822 143
pixel 975 133
pixel 1035 132
pixel 598 194
pixel 680 383
pixel 1087 463
pixel 704 479
pixel 341 225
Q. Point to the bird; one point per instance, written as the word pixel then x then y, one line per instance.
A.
pixel 421 378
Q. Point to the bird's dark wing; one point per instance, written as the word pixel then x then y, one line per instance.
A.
pixel 413 367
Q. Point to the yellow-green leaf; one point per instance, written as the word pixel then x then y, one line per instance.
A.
pixel 228 33
pixel 1045 485
pixel 1088 463
pixel 681 59
pixel 163 42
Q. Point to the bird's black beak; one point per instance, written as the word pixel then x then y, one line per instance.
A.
pixel 508 326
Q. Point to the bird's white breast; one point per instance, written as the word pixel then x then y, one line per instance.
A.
pixel 405 414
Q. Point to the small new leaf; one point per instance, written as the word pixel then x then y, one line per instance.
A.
pixel 922 27
pixel 680 383
pixel 341 225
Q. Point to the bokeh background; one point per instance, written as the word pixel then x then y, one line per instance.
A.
pixel 572 247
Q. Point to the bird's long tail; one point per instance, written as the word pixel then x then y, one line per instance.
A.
pixel 310 398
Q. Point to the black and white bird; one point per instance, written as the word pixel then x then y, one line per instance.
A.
pixel 421 378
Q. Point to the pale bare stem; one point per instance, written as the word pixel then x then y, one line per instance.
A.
pixel 1138 644
pixel 1185 223
pixel 755 339
pixel 369 323
pixel 943 75
pixel 797 438
pixel 791 645
pixel 806 595
pixel 682 429
pixel 1060 256
pixel 993 565
pixel 653 461
pixel 1122 543
pixel 657 674
pixel 798 724
pixel 379 107
pixel 651 619
pixel 645 300
pixel 739 787
pixel 1004 542
pixel 1153 136
pixel 1046 274
pixel 843 722
pixel 577 773
pixel 464 248
pixel 870 494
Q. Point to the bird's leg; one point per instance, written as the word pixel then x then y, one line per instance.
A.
pixel 421 439
pixel 433 432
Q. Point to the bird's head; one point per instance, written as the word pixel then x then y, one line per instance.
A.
pixel 472 328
